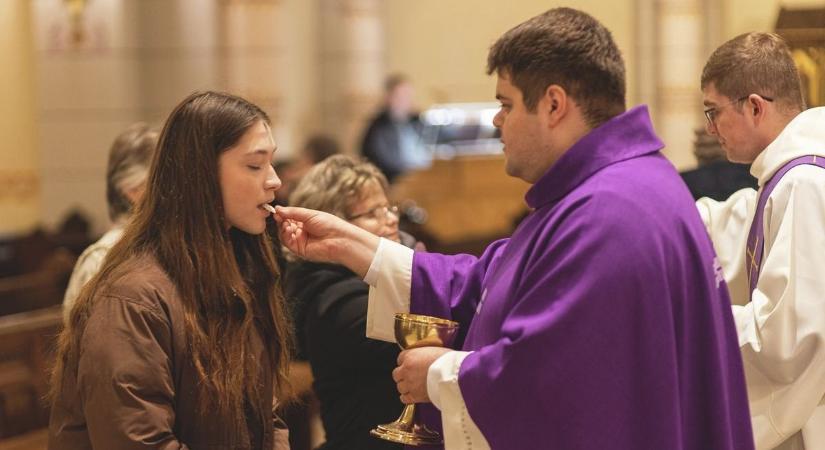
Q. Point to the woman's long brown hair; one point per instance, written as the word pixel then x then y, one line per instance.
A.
pixel 228 281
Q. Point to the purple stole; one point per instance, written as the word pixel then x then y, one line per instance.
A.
pixel 756 246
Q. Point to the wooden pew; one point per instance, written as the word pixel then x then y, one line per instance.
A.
pixel 26 346
pixel 470 201
pixel 32 291
pixel 33 440
pixel 302 414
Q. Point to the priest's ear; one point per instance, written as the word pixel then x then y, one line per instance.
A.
pixel 555 103
pixel 756 106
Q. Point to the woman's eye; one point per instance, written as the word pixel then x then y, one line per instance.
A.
pixel 254 167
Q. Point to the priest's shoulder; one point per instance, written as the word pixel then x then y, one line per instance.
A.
pixel 609 200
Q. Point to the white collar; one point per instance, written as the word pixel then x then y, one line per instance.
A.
pixel 804 135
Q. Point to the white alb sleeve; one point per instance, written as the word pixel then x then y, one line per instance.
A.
pixel 460 432
pixel 390 278
pixel 728 223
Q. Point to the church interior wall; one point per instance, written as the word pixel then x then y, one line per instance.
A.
pixel 140 57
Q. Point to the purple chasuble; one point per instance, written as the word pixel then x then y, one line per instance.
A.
pixel 604 321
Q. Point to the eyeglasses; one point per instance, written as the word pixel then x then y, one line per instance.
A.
pixel 377 213
pixel 711 113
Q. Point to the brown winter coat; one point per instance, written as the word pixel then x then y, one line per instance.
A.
pixel 135 385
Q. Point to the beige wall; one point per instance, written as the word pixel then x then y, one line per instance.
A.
pixel 442 45
pixel 741 16
pixel 88 92
pixel 138 59
pixel 142 56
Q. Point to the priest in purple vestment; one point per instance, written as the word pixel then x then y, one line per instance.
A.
pixel 604 321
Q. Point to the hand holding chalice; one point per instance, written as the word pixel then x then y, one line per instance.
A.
pixel 413 331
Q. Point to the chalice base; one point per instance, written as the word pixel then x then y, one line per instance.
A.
pixel 401 433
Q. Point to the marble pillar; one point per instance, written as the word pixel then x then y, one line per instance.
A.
pixel 253 60
pixel 20 182
pixel 672 40
pixel 353 67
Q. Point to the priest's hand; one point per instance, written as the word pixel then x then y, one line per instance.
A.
pixel 320 236
pixel 411 374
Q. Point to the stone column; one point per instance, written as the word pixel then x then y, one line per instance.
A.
pixel 178 46
pixel 647 55
pixel 672 40
pixel 254 59
pixel 681 48
pixel 20 189
pixel 353 66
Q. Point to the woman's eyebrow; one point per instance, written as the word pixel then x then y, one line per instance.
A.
pixel 260 151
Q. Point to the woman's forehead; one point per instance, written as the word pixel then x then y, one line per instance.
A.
pixel 372 188
pixel 370 192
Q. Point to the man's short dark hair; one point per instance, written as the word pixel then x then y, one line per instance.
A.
pixel 755 63
pixel 320 147
pixel 393 81
pixel 568 48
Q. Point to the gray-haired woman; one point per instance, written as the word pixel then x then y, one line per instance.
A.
pixel 129 160
pixel 353 374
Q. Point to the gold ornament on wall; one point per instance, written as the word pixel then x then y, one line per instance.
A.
pixel 76 8
pixel 804 29
pixel 18 186
pixel 811 65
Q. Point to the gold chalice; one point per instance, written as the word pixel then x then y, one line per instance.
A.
pixel 413 331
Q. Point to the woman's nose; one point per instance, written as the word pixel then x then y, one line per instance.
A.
pixel 272 181
pixel 391 218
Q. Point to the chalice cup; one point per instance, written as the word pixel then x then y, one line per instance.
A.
pixel 413 331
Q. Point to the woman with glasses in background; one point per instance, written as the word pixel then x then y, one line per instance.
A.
pixel 353 374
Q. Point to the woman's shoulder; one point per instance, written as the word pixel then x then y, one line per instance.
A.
pixel 137 299
pixel 142 282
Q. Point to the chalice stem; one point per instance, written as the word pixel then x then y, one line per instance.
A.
pixel 405 420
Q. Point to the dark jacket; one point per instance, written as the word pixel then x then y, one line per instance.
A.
pixel 136 387
pixel 381 144
pixel 353 374
pixel 718 180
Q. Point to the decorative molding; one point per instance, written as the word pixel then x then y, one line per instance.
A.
pixel 76 23
pixel 89 114
pixel 358 8
pixel 252 2
pixel 19 185
pixel 67 175
pixel 69 26
pixel 680 7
